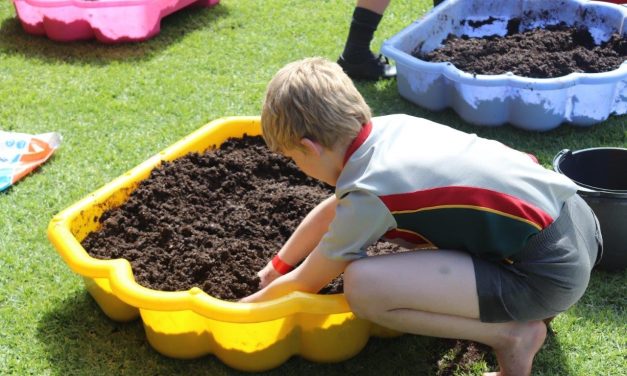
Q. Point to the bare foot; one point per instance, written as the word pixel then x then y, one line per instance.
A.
pixel 515 355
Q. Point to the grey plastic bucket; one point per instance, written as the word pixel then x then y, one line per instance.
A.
pixel 601 175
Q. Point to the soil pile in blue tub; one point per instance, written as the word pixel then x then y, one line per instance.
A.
pixel 549 52
pixel 213 220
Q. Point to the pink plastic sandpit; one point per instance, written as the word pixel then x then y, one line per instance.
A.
pixel 108 21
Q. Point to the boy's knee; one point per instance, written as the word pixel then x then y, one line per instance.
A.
pixel 356 286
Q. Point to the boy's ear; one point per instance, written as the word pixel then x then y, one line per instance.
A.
pixel 311 146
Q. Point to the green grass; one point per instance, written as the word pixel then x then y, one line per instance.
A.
pixel 116 105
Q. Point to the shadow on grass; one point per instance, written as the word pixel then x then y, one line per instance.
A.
pixel 79 339
pixel 15 41
pixel 551 360
pixel 405 355
pixel 601 308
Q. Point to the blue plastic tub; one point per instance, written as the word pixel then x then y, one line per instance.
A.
pixel 539 104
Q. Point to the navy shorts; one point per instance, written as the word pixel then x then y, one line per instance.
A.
pixel 548 275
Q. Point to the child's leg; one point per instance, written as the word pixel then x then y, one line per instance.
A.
pixel 357 60
pixel 434 293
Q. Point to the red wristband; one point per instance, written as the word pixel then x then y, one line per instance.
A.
pixel 281 266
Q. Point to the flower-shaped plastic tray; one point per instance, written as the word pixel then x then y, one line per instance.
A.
pixel 108 21
pixel 581 99
pixel 190 324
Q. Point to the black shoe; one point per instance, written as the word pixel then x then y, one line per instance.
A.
pixel 376 68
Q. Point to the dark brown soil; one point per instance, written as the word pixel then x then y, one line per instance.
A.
pixel 211 221
pixel 214 220
pixel 461 355
pixel 540 53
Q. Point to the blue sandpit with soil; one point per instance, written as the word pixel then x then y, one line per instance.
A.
pixel 554 51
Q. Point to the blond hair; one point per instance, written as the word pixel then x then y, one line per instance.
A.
pixel 312 98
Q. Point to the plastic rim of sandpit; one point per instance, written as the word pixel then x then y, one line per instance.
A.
pixel 109 21
pixel 190 324
pixel 538 104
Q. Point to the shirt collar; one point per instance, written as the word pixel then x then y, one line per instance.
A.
pixel 358 141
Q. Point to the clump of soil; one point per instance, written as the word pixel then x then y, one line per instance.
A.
pixel 549 52
pixel 461 355
pixel 214 220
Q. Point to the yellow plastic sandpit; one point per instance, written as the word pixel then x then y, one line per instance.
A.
pixel 191 324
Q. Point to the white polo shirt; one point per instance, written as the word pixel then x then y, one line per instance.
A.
pixel 421 184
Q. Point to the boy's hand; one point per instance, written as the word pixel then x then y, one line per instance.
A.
pixel 250 298
pixel 267 275
pixel 310 276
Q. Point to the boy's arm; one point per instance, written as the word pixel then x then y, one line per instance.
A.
pixel 304 239
pixel 312 275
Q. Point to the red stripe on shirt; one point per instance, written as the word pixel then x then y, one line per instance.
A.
pixel 467 196
pixel 358 141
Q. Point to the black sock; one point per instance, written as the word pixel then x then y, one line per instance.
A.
pixel 360 34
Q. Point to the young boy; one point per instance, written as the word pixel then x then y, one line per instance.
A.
pixel 515 244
